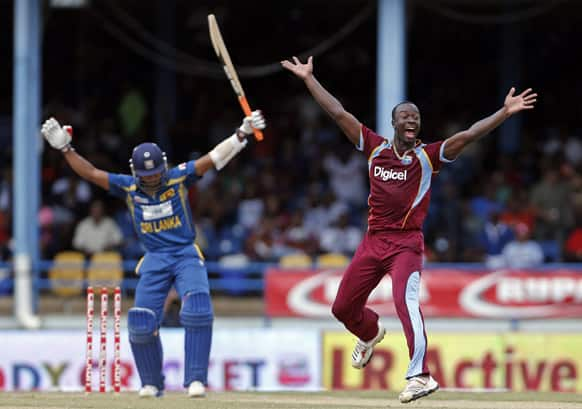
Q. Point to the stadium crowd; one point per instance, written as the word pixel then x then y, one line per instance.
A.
pixel 309 195
pixel 304 188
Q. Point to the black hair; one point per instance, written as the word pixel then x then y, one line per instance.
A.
pixel 397 105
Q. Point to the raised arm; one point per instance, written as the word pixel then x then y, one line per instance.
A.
pixel 60 138
pixel 346 121
pixel 513 104
pixel 231 146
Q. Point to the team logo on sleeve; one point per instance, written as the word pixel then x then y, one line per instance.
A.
pixel 182 166
pixel 168 194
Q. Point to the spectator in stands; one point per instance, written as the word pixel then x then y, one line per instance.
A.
pixel 573 150
pixel 554 140
pixel 297 236
pixel 550 200
pixel 485 202
pixel 97 232
pixel 340 237
pixel 132 111
pixel 315 217
pixel 112 142
pixel 472 227
pixel 518 210
pixel 573 246
pixel 346 171
pixel 446 231
pixel 70 196
pixel 267 242
pixel 48 235
pixel 250 209
pixel 494 236
pixel 522 252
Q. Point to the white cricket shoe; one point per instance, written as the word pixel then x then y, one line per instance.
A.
pixel 196 390
pixel 149 391
pixel 363 350
pixel 418 387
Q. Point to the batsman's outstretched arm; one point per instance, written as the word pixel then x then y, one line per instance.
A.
pixel 346 121
pixel 60 138
pixel 231 146
pixel 86 170
pixel 512 105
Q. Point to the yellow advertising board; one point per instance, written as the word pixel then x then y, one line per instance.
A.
pixel 518 362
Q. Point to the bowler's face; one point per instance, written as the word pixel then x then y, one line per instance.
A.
pixel 406 122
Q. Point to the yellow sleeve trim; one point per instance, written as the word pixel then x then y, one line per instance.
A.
pixel 199 252
pixel 374 151
pixel 138 266
pixel 175 180
pixel 130 188
pixel 428 159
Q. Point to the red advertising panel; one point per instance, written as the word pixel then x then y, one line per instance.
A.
pixel 443 292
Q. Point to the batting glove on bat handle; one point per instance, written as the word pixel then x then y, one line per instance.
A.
pixel 255 121
pixel 55 135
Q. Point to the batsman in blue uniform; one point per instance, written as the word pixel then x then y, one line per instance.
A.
pixel 157 199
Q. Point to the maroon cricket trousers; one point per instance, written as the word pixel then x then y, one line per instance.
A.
pixel 398 253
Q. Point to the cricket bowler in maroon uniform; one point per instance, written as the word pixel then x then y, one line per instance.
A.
pixel 400 171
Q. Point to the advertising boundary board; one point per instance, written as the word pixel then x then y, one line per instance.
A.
pixel 241 359
pixel 512 294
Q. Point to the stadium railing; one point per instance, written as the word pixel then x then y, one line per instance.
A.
pixel 235 280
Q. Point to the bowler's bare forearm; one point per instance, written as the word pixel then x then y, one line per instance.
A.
pixel 86 170
pixel 346 121
pixel 486 125
pixel 456 143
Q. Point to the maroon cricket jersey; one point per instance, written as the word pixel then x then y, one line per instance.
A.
pixel 399 188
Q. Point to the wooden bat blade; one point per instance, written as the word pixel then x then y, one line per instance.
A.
pixel 228 66
pixel 213 28
pixel 223 55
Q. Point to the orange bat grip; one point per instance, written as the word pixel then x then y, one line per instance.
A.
pixel 247 110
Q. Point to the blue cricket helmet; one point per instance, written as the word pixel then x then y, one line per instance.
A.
pixel 148 159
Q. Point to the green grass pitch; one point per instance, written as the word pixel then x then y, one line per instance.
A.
pixel 288 400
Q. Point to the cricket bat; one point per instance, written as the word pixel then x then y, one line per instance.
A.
pixel 224 57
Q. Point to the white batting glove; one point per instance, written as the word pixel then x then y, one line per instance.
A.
pixel 56 136
pixel 255 121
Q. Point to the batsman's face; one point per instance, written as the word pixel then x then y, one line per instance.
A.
pixel 151 182
pixel 406 123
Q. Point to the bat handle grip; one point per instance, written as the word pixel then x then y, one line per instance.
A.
pixel 247 110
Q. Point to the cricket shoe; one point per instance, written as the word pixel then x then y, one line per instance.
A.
pixel 363 350
pixel 196 390
pixel 418 387
pixel 149 391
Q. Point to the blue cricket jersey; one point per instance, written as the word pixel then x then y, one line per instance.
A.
pixel 163 222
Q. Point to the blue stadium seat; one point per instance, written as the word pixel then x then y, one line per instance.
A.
pixel 551 250
pixel 231 240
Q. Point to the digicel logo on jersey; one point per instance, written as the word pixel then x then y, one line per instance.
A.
pixel 389 174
